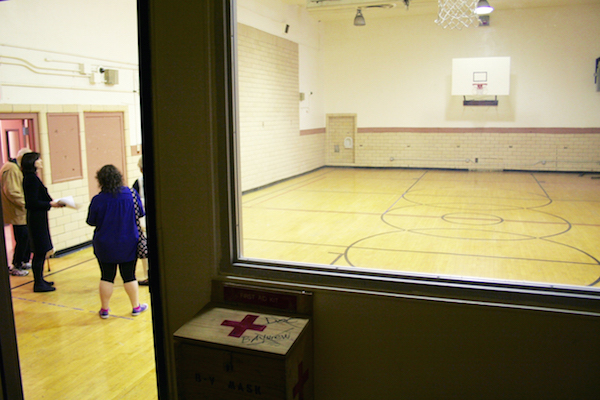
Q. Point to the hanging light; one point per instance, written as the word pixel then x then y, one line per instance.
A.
pixel 359 20
pixel 483 7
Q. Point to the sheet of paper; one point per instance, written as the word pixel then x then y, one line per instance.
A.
pixel 68 201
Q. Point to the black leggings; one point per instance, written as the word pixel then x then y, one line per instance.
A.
pixel 22 252
pixel 37 265
pixel 109 271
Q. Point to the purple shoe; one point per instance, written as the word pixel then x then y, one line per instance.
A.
pixel 139 309
pixel 103 313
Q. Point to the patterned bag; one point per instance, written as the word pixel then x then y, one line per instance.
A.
pixel 142 245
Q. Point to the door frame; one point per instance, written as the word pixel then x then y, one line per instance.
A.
pixel 11 385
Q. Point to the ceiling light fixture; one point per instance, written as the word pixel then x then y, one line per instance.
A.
pixel 359 20
pixel 483 7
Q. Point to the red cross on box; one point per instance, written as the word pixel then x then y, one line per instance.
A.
pixel 227 353
pixel 302 378
pixel 242 326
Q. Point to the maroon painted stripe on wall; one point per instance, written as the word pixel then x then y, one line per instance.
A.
pixel 461 130
pixel 312 131
pixel 480 130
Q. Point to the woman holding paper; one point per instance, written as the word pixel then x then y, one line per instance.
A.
pixel 37 203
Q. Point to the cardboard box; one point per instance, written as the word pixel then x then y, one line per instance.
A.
pixel 229 353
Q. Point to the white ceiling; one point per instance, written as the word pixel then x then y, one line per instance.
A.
pixel 328 10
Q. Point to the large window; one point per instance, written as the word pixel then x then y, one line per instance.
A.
pixel 354 159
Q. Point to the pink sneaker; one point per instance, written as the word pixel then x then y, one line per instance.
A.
pixel 139 309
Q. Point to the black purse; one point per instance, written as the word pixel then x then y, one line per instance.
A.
pixel 142 244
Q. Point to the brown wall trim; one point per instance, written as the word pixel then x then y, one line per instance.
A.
pixel 312 131
pixel 481 130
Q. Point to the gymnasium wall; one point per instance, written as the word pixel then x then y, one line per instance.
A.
pixel 272 147
pixel 50 56
pixel 560 149
pixel 394 74
pixel 277 136
pixel 67 225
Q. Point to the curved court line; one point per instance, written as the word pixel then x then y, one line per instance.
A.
pixel 569 225
pixel 353 245
pixel 561 221
pixel 451 218
pixel 533 208
pixel 581 251
pixel 391 207
pixel 405 192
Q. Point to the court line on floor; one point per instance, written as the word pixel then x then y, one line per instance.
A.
pixel 56 272
pixel 47 303
pixel 469 255
pixel 285 190
pixel 482 219
pixel 316 211
pixel 352 246
pixel 420 252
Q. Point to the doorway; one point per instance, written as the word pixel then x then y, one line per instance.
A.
pixel 16 132
pixel 340 135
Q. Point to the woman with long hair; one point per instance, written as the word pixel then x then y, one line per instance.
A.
pixel 37 203
pixel 112 213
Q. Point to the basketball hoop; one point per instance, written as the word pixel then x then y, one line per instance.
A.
pixel 457 14
pixel 479 88
pixel 479 91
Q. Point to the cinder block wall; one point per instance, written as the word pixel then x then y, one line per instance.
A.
pixel 67 226
pixel 272 147
pixel 485 150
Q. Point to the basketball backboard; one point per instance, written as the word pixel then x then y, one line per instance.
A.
pixel 481 76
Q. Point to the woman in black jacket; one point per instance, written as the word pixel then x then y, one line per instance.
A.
pixel 37 203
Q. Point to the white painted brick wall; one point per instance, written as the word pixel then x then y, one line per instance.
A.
pixel 496 151
pixel 270 143
pixel 67 226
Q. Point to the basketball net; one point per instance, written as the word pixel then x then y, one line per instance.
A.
pixel 480 89
pixel 457 14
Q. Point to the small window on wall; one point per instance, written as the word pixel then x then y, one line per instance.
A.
pixel 12 143
pixel 65 147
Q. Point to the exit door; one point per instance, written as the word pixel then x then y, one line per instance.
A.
pixel 16 132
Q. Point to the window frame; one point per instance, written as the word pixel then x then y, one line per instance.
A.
pixel 478 292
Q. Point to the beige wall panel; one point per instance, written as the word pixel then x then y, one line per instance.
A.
pixel 105 144
pixel 65 148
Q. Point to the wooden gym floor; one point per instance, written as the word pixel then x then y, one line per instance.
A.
pixel 516 226
pixel 66 351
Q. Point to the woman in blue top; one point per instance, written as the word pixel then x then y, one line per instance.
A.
pixel 115 238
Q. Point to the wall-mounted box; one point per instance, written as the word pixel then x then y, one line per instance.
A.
pixel 111 76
